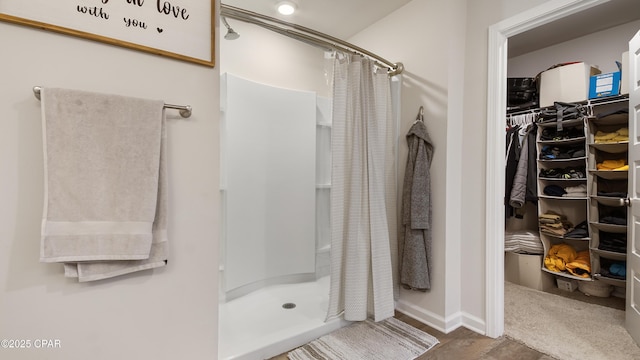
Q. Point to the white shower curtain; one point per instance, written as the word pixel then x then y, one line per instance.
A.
pixel 363 175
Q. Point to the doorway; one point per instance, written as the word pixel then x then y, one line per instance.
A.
pixel 496 105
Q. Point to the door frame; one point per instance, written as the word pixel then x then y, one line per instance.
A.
pixel 495 182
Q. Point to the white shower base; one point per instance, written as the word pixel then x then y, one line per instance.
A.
pixel 256 326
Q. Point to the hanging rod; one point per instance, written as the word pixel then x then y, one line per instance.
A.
pixel 307 35
pixel 185 110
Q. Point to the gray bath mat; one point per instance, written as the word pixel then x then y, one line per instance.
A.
pixel 390 339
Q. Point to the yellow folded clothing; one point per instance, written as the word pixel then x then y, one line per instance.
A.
pixel 619 135
pixel 559 255
pixel 601 135
pixel 611 164
pixel 581 265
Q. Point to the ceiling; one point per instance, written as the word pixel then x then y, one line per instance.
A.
pixel 332 17
pixel 336 18
pixel 597 18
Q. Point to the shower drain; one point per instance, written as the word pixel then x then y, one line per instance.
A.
pixel 288 305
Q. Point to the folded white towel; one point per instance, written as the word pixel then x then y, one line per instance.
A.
pixel 105 187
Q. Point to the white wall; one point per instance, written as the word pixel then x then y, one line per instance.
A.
pixel 415 35
pixel 168 313
pixel 443 46
pixel 266 57
pixel 480 15
pixel 600 49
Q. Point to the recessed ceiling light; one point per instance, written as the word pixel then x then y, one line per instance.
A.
pixel 286 7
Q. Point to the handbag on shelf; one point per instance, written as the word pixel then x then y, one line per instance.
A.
pixel 562 111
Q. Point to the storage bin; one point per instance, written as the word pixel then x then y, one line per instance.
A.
pixel 526 270
pixel 567 83
pixel 595 288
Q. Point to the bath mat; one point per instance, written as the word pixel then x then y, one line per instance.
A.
pixel 390 339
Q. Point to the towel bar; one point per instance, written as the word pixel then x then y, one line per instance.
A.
pixel 185 110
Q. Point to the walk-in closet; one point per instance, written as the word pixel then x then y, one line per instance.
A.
pixel 566 174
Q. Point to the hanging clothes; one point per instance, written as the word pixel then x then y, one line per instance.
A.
pixel 415 240
pixel 511 161
pixel 524 187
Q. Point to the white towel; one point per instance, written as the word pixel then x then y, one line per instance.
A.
pixel 105 183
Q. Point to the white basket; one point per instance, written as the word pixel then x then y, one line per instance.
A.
pixel 595 288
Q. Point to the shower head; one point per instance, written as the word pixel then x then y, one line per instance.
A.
pixel 231 34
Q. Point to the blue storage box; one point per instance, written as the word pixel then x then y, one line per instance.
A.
pixel 603 85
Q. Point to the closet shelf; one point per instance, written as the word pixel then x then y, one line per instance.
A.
pixel 571 141
pixel 610 254
pixel 609 201
pixel 612 148
pixel 566 274
pixel 609 174
pixel 612 228
pixel 614 119
pixel 562 238
pixel 562 161
pixel 610 281
pixel 563 180
pixel 562 198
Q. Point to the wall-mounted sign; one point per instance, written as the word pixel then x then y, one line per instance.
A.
pixel 180 29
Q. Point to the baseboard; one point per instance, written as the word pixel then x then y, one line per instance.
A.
pixel 474 323
pixel 426 317
pixel 445 325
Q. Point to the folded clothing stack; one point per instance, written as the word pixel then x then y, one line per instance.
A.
pixel 613 165
pixel 613 215
pixel 614 269
pixel 561 152
pixel 576 191
pixel 620 135
pixel 613 242
pixel 612 187
pixel 552 134
pixel 523 242
pixel 580 231
pixel 554 224
pixel 563 173
pixel 579 191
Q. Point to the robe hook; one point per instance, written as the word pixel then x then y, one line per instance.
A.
pixel 421 114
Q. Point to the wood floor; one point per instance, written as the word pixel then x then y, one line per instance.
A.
pixel 464 344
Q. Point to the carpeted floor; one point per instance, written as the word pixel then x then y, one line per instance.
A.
pixel 564 328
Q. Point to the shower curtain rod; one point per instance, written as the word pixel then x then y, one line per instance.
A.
pixel 306 35
pixel 185 110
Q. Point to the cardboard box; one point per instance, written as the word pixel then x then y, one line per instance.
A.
pixel 624 80
pixel 526 270
pixel 603 85
pixel 568 83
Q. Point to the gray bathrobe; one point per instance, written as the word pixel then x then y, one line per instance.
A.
pixel 415 239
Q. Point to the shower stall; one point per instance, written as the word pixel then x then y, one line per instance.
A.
pixel 275 188
pixel 276 163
